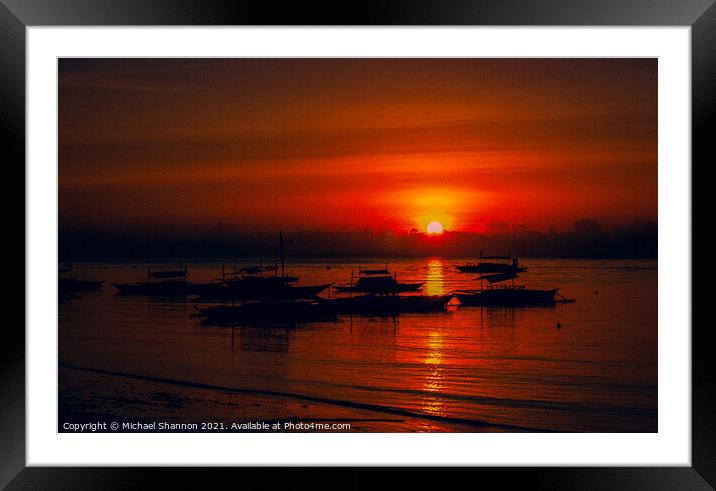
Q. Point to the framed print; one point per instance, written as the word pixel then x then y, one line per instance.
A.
pixel 423 235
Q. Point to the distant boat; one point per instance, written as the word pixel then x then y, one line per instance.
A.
pixel 70 284
pixel 249 283
pixel 377 281
pixel 492 264
pixel 250 270
pixel 259 288
pixel 508 296
pixel 505 295
pixel 256 270
pixel 173 282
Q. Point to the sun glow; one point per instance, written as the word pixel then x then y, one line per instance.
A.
pixel 435 228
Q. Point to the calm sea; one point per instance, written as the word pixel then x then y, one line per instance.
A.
pixel 468 369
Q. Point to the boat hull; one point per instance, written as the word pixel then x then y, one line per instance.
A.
pixel 260 292
pixel 397 288
pixel 507 297
pixel 489 268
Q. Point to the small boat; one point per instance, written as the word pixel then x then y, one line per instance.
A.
pixel 385 304
pixel 256 270
pixel 507 296
pixel 259 288
pixel 70 284
pixel 379 281
pixel 250 270
pixel 239 279
pixel 492 264
pixel 260 282
pixel 250 283
pixel 173 283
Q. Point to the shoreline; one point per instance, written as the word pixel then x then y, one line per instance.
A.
pixel 84 398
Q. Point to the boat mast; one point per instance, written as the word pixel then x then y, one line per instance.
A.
pixel 280 239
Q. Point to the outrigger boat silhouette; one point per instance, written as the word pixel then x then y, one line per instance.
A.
pixel 172 282
pixel 377 281
pixel 513 295
pixel 250 283
pixel 492 264
pixel 68 284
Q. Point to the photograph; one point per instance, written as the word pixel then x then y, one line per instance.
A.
pixel 357 245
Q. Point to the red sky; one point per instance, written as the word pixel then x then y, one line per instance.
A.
pixel 335 144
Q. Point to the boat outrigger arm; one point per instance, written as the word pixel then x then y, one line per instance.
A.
pixel 494 278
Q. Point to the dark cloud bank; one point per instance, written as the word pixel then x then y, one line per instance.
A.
pixel 586 239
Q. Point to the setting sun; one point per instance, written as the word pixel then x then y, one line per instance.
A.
pixel 435 228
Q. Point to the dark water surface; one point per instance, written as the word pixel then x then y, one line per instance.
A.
pixel 469 369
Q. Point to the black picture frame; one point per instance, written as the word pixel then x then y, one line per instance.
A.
pixel 16 15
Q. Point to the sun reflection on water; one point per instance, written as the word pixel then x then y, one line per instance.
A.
pixel 434 279
pixel 434 381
